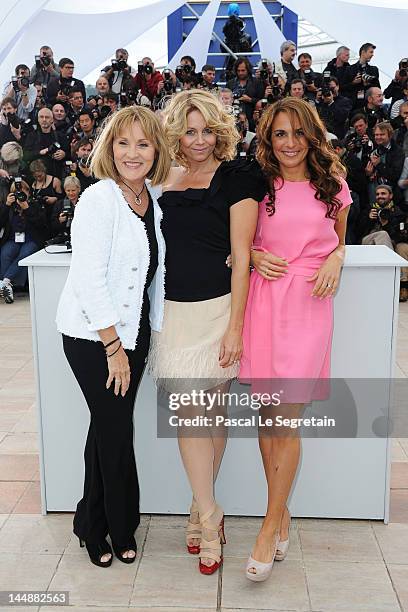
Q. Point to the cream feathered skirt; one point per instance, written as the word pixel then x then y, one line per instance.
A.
pixel 185 354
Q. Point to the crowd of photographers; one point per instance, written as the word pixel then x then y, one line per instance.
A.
pixel 48 127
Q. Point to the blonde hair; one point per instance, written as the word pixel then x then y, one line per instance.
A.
pixel 72 181
pixel 217 118
pixel 38 166
pixel 11 152
pixel 102 161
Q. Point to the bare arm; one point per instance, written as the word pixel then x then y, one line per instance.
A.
pixel 243 220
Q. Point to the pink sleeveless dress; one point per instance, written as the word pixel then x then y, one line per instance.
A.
pixel 287 332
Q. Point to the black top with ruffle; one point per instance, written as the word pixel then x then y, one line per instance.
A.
pixel 196 228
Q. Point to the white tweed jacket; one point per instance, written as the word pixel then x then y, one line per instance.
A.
pixel 110 258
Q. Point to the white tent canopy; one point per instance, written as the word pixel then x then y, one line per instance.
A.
pixel 89 32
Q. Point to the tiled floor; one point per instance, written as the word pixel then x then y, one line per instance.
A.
pixel 332 565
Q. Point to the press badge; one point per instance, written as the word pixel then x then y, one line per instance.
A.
pixel 19 236
pixel 360 94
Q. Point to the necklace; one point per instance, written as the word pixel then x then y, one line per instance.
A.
pixel 138 199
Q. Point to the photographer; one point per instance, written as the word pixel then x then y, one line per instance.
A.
pixel 400 136
pixel 312 79
pixel 285 67
pixel 297 89
pixel 272 82
pixel 58 89
pixel 208 80
pixel 110 100
pixel 25 230
pixel 358 149
pixel 10 129
pixel 102 86
pixel 386 161
pixel 246 89
pixel 119 72
pixel 333 108
pixel 338 65
pixel 359 77
pixel 44 68
pixel 11 164
pixel 147 79
pixel 246 146
pixel 63 212
pixel 61 121
pixel 81 165
pixel 85 128
pixel 395 109
pixel 47 144
pixel 168 86
pixel 75 105
pixel 395 89
pixel 186 74
pixel 24 94
pixel 45 189
pixel 373 108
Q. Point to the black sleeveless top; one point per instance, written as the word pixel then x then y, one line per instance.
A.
pixel 196 228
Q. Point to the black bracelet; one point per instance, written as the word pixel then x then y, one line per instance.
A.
pixel 105 346
pixel 114 352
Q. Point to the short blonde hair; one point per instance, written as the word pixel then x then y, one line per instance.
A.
pixel 72 181
pixel 102 161
pixel 215 115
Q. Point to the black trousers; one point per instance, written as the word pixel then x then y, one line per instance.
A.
pixel 110 502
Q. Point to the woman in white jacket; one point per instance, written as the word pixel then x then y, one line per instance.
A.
pixel 116 277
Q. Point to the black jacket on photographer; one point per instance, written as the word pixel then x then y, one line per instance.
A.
pixel 32 221
pixel 393 215
pixel 395 91
pixel 55 85
pixel 58 228
pixel 254 88
pixel 374 116
pixel 39 74
pixel 37 141
pixel 337 71
pixel 400 137
pixel 390 167
pixel 356 91
pixel 335 115
pixel 6 135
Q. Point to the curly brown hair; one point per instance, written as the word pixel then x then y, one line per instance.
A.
pixel 324 167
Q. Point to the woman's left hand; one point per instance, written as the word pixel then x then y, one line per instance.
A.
pixel 231 348
pixel 327 277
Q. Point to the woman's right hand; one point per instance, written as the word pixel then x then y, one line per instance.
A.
pixel 119 371
pixel 269 266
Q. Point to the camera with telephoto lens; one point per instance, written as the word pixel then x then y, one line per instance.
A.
pixel 403 67
pixel 168 83
pixel 366 77
pixel 27 127
pixel 380 150
pixel 19 81
pixel 276 89
pixel 42 61
pixel 66 88
pixel 19 194
pixel 144 68
pixel 38 201
pixel 85 161
pixel 54 147
pixel 384 214
pixel 184 72
pixel 64 237
pixel 308 75
pixel 326 89
pixel 12 120
pixel 264 72
pixel 119 65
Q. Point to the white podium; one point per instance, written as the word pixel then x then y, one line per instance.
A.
pixel 337 478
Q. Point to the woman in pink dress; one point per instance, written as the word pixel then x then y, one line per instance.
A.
pixel 298 256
